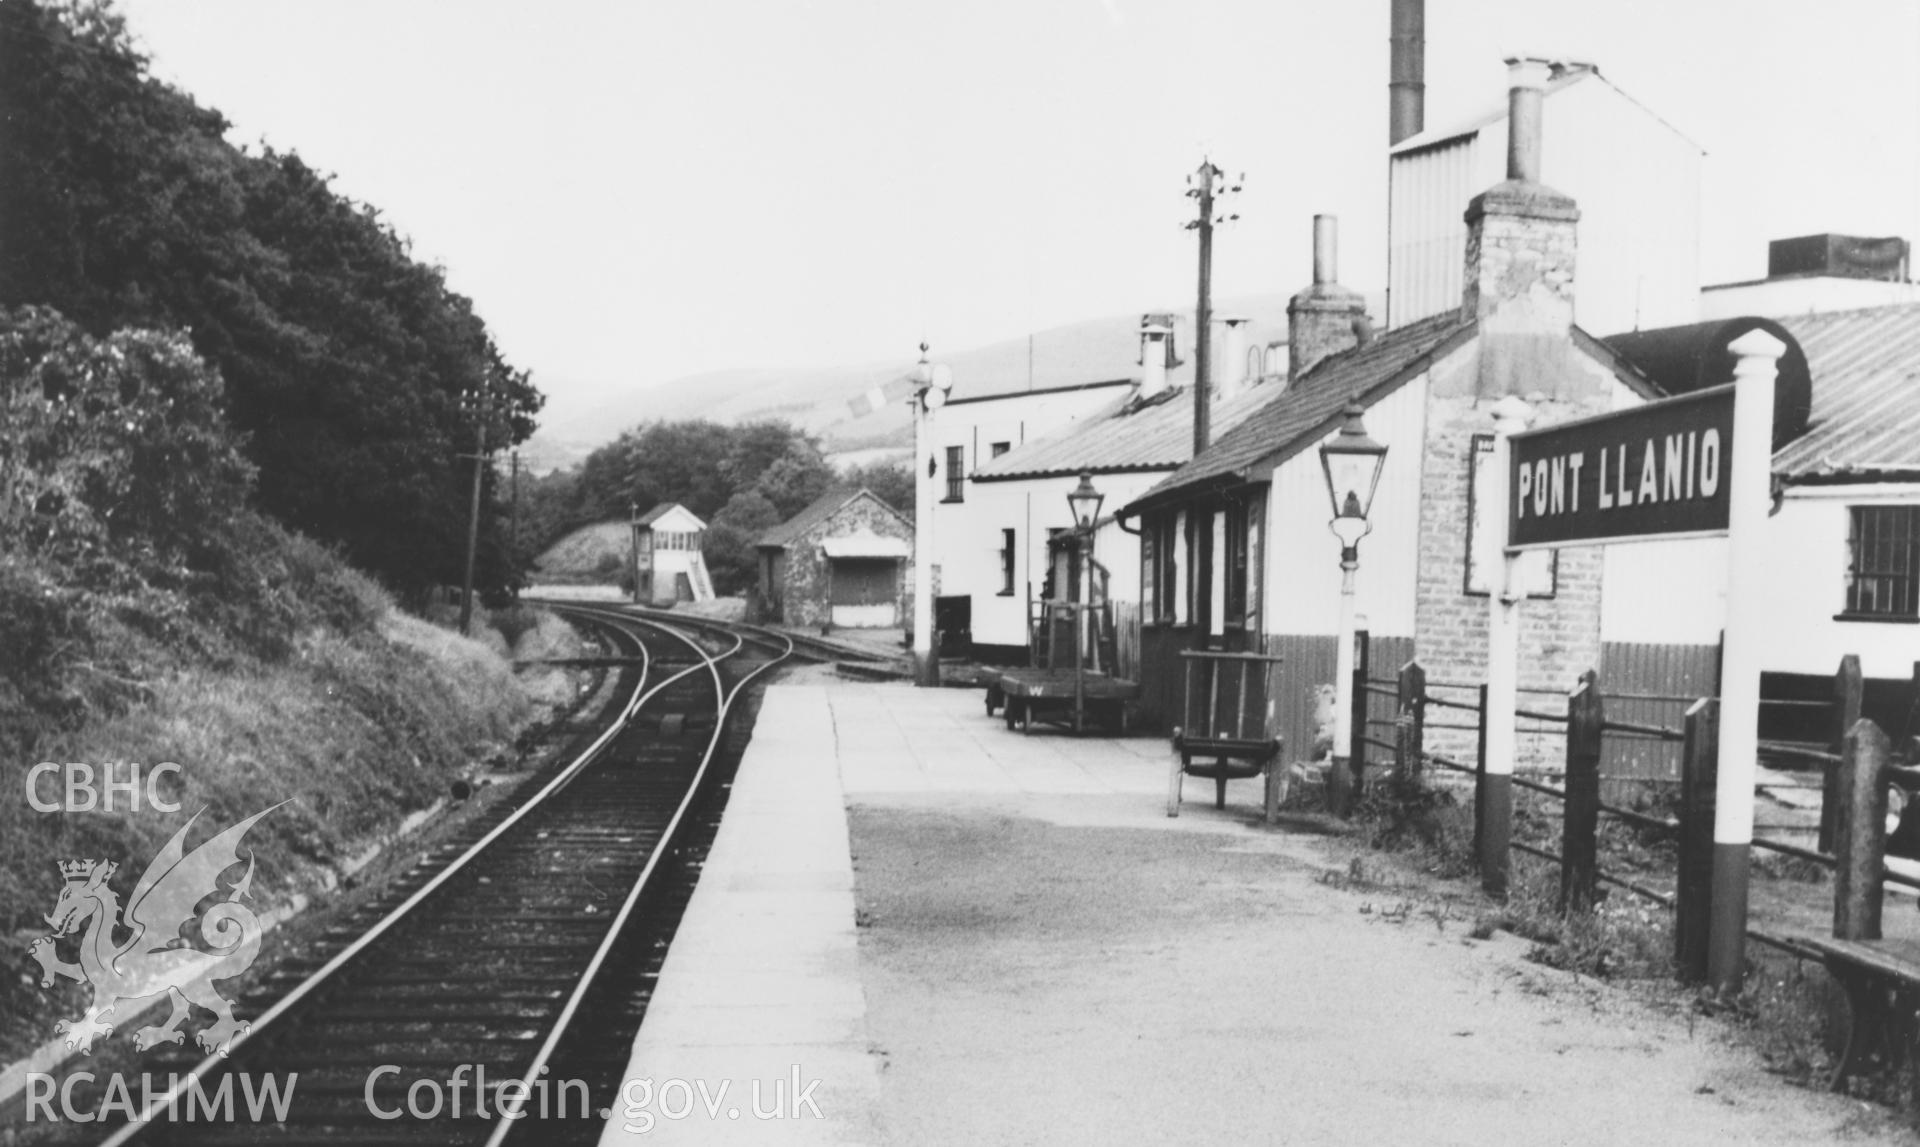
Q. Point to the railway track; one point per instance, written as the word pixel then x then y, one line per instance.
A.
pixel 526 950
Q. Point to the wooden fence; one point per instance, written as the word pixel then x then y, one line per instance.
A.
pixel 1585 720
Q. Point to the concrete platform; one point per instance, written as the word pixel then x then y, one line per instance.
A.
pixel 760 995
pixel 762 985
pixel 1050 958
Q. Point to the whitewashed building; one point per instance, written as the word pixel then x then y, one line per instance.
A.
pixel 997 501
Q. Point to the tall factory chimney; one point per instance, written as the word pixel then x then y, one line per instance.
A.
pixel 1407 73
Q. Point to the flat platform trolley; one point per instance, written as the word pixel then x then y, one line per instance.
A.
pixel 1046 695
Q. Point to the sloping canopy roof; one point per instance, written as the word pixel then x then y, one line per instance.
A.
pixel 1310 408
pixel 1156 434
pixel 665 508
pixel 1865 421
pixel 1848 395
pixel 866 546
pixel 822 508
pixel 1693 357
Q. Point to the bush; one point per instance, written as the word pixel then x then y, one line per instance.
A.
pixel 1432 822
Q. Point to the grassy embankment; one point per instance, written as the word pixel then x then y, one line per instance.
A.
pixel 149 615
pixel 367 718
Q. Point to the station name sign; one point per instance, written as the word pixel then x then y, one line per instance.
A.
pixel 1656 471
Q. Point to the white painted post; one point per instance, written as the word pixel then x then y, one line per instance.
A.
pixel 925 660
pixel 1342 788
pixel 1749 470
pixel 1510 417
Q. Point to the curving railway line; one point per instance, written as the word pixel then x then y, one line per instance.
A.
pixel 524 950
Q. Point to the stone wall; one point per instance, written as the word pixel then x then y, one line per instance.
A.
pixel 806 571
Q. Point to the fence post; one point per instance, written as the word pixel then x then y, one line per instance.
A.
pixel 1409 742
pixel 1492 816
pixel 1848 687
pixel 1860 837
pixel 1579 844
pixel 1693 892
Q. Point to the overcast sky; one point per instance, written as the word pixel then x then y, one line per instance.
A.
pixel 634 191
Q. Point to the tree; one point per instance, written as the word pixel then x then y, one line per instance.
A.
pixel 891 482
pixel 796 479
pixel 121 204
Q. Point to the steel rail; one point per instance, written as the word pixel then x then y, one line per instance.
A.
pixel 723 700
pixel 217 1060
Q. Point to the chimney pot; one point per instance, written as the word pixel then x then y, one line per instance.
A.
pixel 1326 249
pixel 1236 377
pixel 1526 91
pixel 1153 356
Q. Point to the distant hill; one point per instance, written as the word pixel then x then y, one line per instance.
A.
pixel 1095 350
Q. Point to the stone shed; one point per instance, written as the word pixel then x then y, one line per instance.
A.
pixel 844 560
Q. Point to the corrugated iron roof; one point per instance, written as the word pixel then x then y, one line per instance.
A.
pixel 1310 407
pixel 1569 74
pixel 1865 421
pixel 1126 436
pixel 822 508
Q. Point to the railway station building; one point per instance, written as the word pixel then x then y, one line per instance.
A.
pixel 1236 551
pixel 843 562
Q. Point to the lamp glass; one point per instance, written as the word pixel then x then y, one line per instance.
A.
pixel 1085 501
pixel 1353 462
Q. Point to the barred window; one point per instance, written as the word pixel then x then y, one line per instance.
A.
pixel 1883 576
pixel 956 474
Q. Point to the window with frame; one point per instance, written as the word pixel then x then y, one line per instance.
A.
pixel 1883 569
pixel 1162 541
pixel 1243 564
pixel 1006 563
pixel 956 474
pixel 1000 448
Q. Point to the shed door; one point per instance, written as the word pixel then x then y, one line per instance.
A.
pixel 863 591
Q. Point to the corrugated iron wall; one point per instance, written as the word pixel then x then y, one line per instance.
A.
pixel 1308 664
pixel 1430 188
pixel 1651 685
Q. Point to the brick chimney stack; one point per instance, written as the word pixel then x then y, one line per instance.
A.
pixel 1323 319
pixel 1520 252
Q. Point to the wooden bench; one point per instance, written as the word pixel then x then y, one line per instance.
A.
pixel 1880 978
pixel 1225 745
pixel 1881 981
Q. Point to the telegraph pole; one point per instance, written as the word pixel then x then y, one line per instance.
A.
pixel 479 404
pixel 513 517
pixel 1206 185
